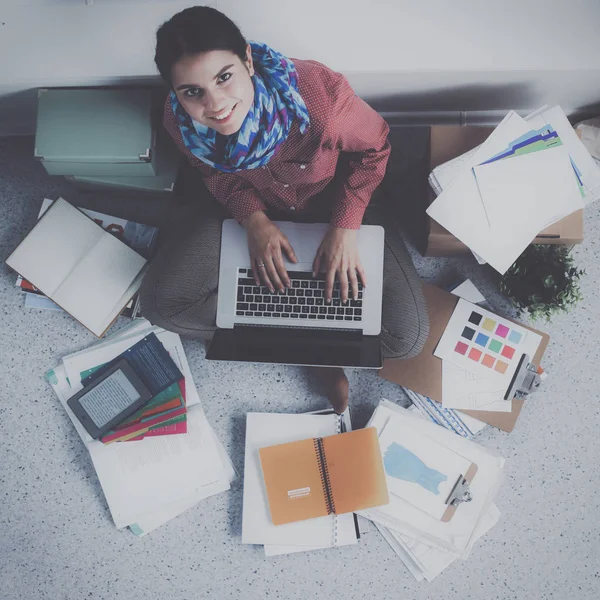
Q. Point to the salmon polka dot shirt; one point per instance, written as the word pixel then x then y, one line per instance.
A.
pixel 340 123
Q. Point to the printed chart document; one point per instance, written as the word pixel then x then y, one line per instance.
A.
pixel 82 268
pixel 496 209
pixel 521 196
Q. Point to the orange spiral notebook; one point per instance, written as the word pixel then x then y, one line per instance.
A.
pixel 316 477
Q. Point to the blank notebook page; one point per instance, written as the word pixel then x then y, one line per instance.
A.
pixel 92 291
pixel 53 247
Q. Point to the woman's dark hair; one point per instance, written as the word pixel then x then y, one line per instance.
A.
pixel 194 30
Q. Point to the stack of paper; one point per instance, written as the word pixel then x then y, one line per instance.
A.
pixel 421 461
pixel 150 481
pixel 527 175
pixel 268 429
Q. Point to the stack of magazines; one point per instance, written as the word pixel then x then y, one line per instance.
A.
pixel 168 466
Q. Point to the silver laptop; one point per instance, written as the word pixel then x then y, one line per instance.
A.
pixel 297 326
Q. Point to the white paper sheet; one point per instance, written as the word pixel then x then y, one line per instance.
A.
pixel 426 561
pixel 419 469
pixel 521 196
pixel 467 390
pixel 469 292
pixel 137 478
pixel 453 420
pixel 590 172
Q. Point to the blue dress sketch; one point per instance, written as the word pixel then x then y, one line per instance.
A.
pixel 403 464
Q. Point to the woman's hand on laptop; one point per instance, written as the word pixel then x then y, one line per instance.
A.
pixel 266 244
pixel 338 255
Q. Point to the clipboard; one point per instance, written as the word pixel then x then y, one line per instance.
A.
pixel 423 373
pixel 465 493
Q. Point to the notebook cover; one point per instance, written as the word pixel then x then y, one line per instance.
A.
pixel 423 373
pixel 293 480
pixel 356 470
pixel 296 487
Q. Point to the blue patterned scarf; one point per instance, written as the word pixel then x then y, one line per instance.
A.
pixel 277 103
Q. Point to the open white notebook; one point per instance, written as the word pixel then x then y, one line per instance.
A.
pixel 87 271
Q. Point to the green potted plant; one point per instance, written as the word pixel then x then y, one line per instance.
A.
pixel 543 281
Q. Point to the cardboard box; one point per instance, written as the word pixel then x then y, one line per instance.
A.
pixel 448 142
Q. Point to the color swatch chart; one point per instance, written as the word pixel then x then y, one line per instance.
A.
pixel 482 342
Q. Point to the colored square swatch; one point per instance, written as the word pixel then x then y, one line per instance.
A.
pixel 502 330
pixel 468 333
pixel 501 366
pixel 461 348
pixel 482 339
pixel 475 354
pixel 508 352
pixel 495 346
pixel 489 325
pixel 515 337
pixel 475 318
pixel 488 361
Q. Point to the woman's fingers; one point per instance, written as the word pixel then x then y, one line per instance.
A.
pixel 259 269
pixel 283 279
pixel 275 280
pixel 316 265
pixel 361 274
pixel 353 283
pixel 343 276
pixel 329 279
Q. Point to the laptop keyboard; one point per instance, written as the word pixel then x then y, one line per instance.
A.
pixel 305 299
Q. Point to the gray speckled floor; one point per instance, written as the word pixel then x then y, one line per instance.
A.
pixel 57 540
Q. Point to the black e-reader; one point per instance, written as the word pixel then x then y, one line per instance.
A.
pixel 110 398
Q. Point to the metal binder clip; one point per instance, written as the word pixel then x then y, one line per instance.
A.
pixel 460 493
pixel 525 381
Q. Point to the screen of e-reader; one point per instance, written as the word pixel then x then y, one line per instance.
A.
pixel 109 398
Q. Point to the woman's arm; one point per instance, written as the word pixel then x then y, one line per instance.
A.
pixel 359 131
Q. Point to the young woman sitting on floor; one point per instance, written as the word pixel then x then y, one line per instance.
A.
pixel 271 138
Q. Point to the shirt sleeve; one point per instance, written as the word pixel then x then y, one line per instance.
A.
pixel 238 196
pixel 361 132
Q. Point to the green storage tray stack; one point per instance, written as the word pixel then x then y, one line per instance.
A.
pixel 104 137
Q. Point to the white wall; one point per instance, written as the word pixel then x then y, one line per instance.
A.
pixel 400 55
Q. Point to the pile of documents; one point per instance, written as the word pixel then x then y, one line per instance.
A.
pixel 155 478
pixel 424 463
pixel 529 173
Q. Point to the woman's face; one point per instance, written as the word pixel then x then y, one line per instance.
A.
pixel 215 84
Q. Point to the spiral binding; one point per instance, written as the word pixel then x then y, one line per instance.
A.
pixel 336 519
pixel 324 472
